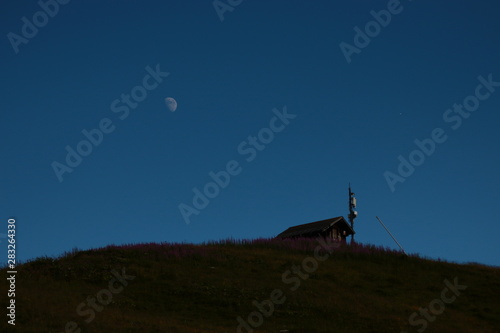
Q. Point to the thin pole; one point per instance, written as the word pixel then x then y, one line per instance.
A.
pixel 351 214
pixel 391 235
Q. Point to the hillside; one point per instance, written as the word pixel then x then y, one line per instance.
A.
pixel 205 288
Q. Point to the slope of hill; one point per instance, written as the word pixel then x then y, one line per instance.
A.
pixel 252 286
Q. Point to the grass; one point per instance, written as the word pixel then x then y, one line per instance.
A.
pixel 204 288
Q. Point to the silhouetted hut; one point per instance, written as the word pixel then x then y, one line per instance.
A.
pixel 335 228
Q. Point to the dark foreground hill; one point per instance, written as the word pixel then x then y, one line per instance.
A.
pixel 252 286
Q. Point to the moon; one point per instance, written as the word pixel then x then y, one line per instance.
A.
pixel 171 103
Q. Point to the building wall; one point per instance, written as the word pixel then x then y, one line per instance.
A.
pixel 335 233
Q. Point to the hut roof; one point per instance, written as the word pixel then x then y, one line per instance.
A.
pixel 315 228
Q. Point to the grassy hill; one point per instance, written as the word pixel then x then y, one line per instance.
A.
pixel 271 285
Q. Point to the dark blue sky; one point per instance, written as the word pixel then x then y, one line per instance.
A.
pixel 352 122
